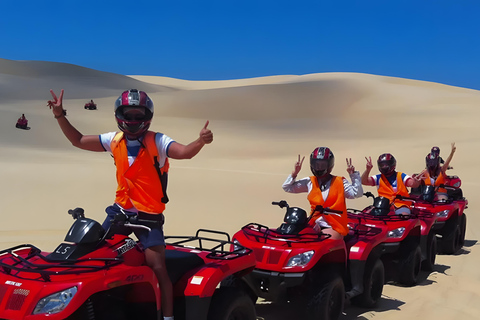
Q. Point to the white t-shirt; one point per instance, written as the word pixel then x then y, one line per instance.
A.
pixel 162 141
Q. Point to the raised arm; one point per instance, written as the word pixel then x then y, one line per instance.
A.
pixel 366 174
pixel 86 142
pixel 180 151
pixel 450 156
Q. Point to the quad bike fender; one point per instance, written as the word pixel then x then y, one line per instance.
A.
pixel 205 280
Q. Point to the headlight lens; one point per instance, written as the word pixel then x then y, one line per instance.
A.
pixel 397 233
pixel 443 214
pixel 300 259
pixel 56 302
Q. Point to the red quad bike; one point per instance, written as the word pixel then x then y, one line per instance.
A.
pixel 381 240
pixel 90 106
pixel 296 264
pixel 98 274
pixel 451 221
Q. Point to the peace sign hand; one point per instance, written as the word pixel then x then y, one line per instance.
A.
pixel 56 104
pixel 298 166
pixel 350 167
pixel 369 163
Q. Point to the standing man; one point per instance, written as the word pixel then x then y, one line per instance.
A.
pixel 141 157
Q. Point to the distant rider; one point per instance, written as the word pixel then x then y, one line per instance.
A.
pixel 326 190
pixel 435 174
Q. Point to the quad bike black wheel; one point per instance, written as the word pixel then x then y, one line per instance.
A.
pixel 373 282
pixel 451 241
pixel 409 267
pixel 463 230
pixel 429 262
pixel 327 301
pixel 229 303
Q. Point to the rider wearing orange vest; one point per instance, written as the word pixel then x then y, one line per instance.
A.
pixel 335 201
pixel 142 166
pixel 326 190
pixel 436 175
pixel 391 183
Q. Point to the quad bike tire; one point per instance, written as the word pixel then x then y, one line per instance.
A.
pixel 429 263
pixel 327 300
pixel 463 230
pixel 229 303
pixel 409 267
pixel 373 282
pixel 451 241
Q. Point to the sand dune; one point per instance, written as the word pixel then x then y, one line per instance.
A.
pixel 260 126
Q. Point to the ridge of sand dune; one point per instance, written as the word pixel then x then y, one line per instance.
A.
pixel 32 79
pixel 260 127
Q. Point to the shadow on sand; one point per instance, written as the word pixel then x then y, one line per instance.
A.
pixel 273 311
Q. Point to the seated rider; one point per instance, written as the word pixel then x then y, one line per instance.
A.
pixel 326 190
pixel 22 120
pixel 391 183
pixel 435 175
pixel 436 150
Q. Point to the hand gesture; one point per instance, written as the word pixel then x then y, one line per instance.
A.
pixel 298 166
pixel 453 147
pixel 420 176
pixel 205 134
pixel 56 104
pixel 369 163
pixel 350 167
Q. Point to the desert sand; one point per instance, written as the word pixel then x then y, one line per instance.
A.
pixel 260 127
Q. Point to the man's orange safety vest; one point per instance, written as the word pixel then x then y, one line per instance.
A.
pixel 143 184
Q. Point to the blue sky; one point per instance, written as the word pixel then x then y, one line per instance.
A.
pixel 432 40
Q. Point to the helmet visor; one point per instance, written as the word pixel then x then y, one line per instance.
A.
pixel 319 165
pixel 385 167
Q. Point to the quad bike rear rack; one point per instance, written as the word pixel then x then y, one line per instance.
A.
pixel 17 264
pixel 220 250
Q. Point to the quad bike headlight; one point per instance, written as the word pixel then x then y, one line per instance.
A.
pixel 443 213
pixel 396 233
pixel 300 259
pixel 56 302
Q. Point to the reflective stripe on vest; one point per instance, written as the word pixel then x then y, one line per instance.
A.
pixel 385 189
pixel 335 201
pixel 140 185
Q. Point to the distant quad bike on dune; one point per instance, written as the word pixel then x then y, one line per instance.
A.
pixel 451 220
pixel 296 264
pixel 90 106
pixel 98 274
pixel 394 243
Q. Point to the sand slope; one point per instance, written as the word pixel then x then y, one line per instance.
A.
pixel 260 126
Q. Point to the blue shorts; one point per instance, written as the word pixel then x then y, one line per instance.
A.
pixel 148 239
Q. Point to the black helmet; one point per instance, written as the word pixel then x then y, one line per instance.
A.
pixel 321 161
pixel 386 164
pixel 435 150
pixel 138 123
pixel 432 161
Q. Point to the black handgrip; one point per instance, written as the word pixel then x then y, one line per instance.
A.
pixel 281 204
